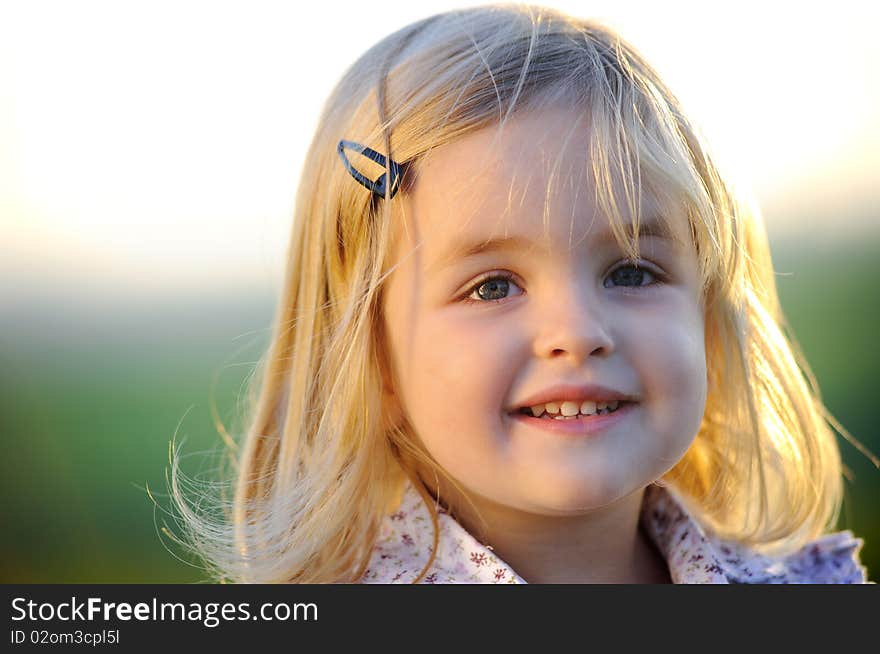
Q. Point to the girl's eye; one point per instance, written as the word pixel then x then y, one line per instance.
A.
pixel 630 275
pixel 496 287
pixel 490 289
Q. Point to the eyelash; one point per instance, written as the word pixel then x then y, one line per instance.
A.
pixel 658 279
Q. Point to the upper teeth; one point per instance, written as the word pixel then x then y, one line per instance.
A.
pixel 569 408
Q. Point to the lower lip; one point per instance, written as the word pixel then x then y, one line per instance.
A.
pixel 580 426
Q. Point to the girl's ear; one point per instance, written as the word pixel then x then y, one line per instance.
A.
pixel 391 408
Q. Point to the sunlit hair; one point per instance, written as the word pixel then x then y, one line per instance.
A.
pixel 320 464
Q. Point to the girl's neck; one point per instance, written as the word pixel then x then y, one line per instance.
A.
pixel 605 546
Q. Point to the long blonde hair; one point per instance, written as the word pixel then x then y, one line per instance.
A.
pixel 320 465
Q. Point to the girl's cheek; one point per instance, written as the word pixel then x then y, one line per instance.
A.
pixel 663 340
pixel 673 361
pixel 466 362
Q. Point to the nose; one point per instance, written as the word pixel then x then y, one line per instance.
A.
pixel 575 326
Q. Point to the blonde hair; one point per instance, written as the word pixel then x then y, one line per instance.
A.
pixel 320 466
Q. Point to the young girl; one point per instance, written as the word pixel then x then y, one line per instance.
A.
pixel 527 334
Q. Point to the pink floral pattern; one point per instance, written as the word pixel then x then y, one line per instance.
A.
pixel 694 557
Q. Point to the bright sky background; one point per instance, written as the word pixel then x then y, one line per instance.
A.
pixel 158 144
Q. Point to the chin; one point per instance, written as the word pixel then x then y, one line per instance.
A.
pixel 574 498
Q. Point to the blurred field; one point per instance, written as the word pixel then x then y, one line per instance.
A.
pixel 93 388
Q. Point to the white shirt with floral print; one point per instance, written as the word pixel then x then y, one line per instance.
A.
pixel 404 546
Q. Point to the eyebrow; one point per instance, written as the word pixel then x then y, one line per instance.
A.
pixel 465 248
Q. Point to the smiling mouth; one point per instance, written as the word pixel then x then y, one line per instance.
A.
pixel 578 425
pixel 606 409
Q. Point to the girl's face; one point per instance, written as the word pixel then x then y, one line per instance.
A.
pixel 473 337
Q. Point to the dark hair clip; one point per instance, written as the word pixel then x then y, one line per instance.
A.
pixel 377 187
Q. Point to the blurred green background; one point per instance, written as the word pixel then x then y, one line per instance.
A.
pixel 94 387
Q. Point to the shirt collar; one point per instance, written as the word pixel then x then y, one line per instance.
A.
pixel 406 539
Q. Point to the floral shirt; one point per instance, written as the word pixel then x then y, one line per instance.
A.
pixel 694 557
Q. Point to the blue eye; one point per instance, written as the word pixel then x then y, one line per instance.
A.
pixel 630 275
pixel 490 289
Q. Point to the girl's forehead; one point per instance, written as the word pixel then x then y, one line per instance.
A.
pixel 526 149
pixel 533 179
